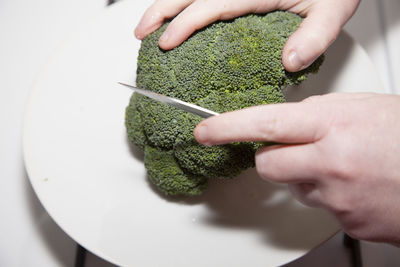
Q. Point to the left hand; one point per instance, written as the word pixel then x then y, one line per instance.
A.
pixel 341 152
pixel 323 21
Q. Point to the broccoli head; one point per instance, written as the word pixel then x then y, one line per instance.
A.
pixel 226 66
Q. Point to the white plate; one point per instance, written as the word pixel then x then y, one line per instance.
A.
pixel 94 185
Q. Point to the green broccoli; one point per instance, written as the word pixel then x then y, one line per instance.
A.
pixel 226 66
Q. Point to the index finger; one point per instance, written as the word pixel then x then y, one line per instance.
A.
pixel 202 13
pixel 284 123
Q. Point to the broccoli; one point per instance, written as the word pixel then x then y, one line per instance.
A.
pixel 226 66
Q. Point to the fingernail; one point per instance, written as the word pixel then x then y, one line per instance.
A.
pixel 137 35
pixel 164 37
pixel 201 134
pixel 295 60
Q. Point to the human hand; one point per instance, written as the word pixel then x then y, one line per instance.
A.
pixel 323 21
pixel 340 152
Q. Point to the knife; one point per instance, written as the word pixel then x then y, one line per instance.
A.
pixel 188 107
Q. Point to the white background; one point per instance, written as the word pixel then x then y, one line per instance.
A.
pixel 31 32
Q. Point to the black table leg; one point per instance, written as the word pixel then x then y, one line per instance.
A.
pixel 80 256
pixel 354 246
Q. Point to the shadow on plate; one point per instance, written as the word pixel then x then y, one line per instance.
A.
pixel 323 82
pixel 59 245
pixel 249 203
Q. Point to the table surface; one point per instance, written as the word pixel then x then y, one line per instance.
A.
pixel 30 32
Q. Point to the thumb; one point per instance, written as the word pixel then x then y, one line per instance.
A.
pixel 319 29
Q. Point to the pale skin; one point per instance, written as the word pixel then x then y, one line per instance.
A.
pixel 338 151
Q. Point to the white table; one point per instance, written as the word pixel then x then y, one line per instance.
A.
pixel 30 32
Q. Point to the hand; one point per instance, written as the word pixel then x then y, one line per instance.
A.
pixel 323 21
pixel 341 152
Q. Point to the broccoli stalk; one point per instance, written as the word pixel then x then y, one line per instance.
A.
pixel 226 66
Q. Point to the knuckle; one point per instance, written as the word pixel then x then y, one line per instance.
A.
pixel 268 128
pixel 339 199
pixel 338 204
pixel 306 193
pixel 319 39
pixel 225 10
pixel 344 168
pixel 339 170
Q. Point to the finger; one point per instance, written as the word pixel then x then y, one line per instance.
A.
pixel 307 193
pixel 285 123
pixel 288 163
pixel 155 15
pixel 202 13
pixel 319 29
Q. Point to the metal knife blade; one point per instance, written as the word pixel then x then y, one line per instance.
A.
pixel 188 107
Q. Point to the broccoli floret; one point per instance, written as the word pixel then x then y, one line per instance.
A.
pixel 216 161
pixel 226 66
pixel 222 101
pixel 133 122
pixel 167 175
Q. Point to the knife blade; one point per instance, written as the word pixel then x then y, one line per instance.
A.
pixel 188 107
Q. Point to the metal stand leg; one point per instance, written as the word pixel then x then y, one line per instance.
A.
pixel 354 246
pixel 80 256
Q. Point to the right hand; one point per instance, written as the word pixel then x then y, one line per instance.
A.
pixel 338 151
pixel 323 21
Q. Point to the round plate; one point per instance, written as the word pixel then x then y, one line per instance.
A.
pixel 93 183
